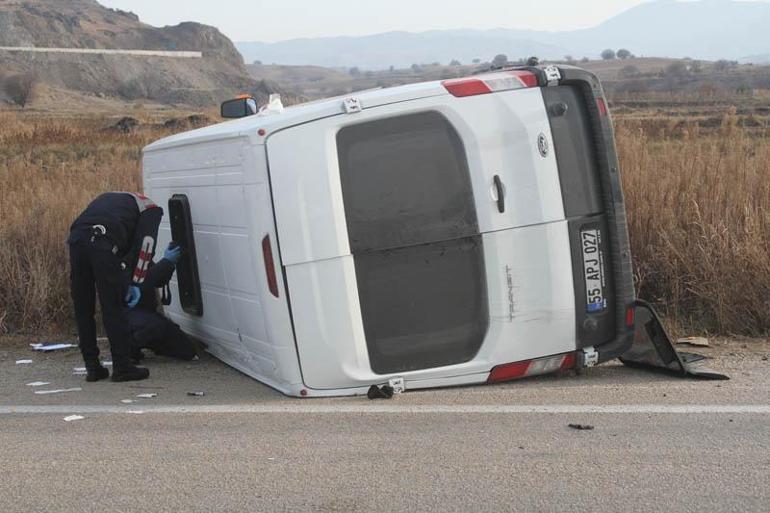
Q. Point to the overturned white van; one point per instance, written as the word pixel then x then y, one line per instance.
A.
pixel 442 233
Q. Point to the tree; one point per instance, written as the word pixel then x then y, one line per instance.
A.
pixel 455 62
pixel 533 61
pixel 392 68
pixel 608 54
pixel 21 88
pixel 354 71
pixel 416 68
pixel 257 63
pixel 585 59
pixel 569 59
pixel 500 60
pixel 696 67
pixel 624 54
pixel 476 60
pixel 724 65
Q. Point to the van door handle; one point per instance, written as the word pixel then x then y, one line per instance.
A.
pixel 500 194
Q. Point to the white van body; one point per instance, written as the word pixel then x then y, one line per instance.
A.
pixel 278 180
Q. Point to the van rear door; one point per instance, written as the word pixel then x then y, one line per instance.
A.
pixel 398 254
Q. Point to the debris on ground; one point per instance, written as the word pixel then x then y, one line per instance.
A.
pixel 79 371
pixel 70 418
pixel 58 391
pixel 581 427
pixel 51 346
pixel 694 341
pixel 383 392
pixel 38 384
pixel 146 396
pixel 135 412
pixel 23 362
pixel 196 394
pixel 126 401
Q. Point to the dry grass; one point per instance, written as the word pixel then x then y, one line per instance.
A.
pixel 698 202
pixel 699 219
pixel 49 171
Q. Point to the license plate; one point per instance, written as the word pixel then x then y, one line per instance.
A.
pixel 593 269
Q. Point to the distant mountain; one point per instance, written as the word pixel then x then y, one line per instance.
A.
pixel 87 24
pixel 705 29
pixel 399 49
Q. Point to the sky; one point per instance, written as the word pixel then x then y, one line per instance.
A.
pixel 276 20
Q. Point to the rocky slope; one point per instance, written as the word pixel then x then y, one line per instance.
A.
pixel 87 24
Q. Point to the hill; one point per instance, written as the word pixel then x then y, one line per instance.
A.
pixel 86 78
pixel 705 29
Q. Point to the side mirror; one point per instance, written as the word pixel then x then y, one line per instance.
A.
pixel 239 108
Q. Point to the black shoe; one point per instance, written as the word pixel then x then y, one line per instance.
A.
pixel 129 373
pixel 96 372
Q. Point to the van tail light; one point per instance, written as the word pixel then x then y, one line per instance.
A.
pixel 267 257
pixel 509 371
pixel 602 105
pixel 490 83
pixel 630 312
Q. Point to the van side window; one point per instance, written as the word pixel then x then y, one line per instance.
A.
pixel 405 181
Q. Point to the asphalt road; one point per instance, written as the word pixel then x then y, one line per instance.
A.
pixel 658 443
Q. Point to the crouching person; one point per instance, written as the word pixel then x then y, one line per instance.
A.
pixel 149 328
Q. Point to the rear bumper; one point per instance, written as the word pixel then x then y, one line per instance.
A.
pixel 612 196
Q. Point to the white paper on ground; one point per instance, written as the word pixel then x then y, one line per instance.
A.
pixel 70 418
pixel 58 391
pixel 23 362
pixel 146 396
pixel 78 369
pixel 126 401
pixel 50 347
pixel 135 412
pixel 38 383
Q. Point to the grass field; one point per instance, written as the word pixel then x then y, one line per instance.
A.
pixel 697 184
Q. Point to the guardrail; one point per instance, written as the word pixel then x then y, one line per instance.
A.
pixel 104 51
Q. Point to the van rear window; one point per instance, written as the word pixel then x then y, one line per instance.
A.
pixel 405 181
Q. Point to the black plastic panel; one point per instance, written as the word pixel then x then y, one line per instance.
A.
pixel 405 181
pixel 187 268
pixel 593 328
pixel 575 151
pixel 423 306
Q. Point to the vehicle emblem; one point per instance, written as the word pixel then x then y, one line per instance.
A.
pixel 542 144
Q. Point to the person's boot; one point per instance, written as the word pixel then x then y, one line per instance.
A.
pixel 129 373
pixel 95 371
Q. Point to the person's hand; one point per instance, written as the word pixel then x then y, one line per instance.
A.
pixel 173 253
pixel 133 296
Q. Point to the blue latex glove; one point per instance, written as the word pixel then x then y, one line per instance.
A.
pixel 133 296
pixel 173 253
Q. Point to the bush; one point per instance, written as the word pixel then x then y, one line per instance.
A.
pixel 624 54
pixel 608 54
pixel 629 71
pixel 20 88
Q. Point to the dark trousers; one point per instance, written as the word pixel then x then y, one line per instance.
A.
pixel 93 267
pixel 153 330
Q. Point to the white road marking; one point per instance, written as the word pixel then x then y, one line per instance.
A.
pixel 306 407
